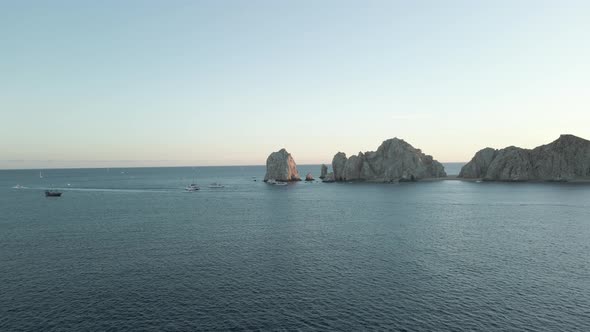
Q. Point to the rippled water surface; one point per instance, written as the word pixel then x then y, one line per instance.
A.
pixel 128 249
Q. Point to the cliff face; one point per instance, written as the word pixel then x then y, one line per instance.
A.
pixel 394 160
pixel 479 164
pixel 280 166
pixel 567 158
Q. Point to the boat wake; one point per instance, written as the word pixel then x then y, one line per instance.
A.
pixel 121 190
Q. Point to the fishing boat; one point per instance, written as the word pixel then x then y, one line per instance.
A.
pixel 52 193
pixel 192 187
pixel 276 183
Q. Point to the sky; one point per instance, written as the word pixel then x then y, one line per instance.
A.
pixel 172 83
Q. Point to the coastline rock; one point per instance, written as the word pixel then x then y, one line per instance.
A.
pixel 479 164
pixel 329 178
pixel 280 166
pixel 565 159
pixel 394 160
pixel 324 171
pixel 338 164
pixel 309 177
pixel 352 167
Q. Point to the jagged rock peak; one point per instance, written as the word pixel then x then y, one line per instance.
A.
pixel 394 160
pixel 567 158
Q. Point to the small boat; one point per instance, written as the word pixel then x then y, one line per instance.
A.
pixel 216 185
pixel 276 183
pixel 272 181
pixel 18 186
pixel 192 187
pixel 52 193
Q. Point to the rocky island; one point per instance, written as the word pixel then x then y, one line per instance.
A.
pixel 323 171
pixel 280 166
pixel 565 159
pixel 394 160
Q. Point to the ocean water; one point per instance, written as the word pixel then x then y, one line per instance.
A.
pixel 129 250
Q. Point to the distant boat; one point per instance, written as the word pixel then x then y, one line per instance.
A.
pixel 52 193
pixel 18 186
pixel 40 175
pixel 276 183
pixel 192 187
pixel 216 185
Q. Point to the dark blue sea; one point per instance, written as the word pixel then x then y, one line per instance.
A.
pixel 130 250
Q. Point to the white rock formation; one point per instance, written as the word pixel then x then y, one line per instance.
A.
pixel 565 159
pixel 394 160
pixel 280 166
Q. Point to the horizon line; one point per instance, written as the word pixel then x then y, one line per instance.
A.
pixel 170 166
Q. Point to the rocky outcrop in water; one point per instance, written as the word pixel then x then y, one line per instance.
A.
pixel 565 159
pixel 329 178
pixel 309 177
pixel 394 160
pixel 324 171
pixel 338 164
pixel 280 166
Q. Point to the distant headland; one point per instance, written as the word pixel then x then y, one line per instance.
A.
pixel 566 159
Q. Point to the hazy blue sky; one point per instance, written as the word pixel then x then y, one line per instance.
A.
pixel 105 83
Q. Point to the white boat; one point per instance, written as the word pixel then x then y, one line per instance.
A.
pixel 216 185
pixel 192 187
pixel 18 186
pixel 276 183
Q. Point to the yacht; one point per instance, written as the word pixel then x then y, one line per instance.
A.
pixel 192 187
pixel 276 183
pixel 52 193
